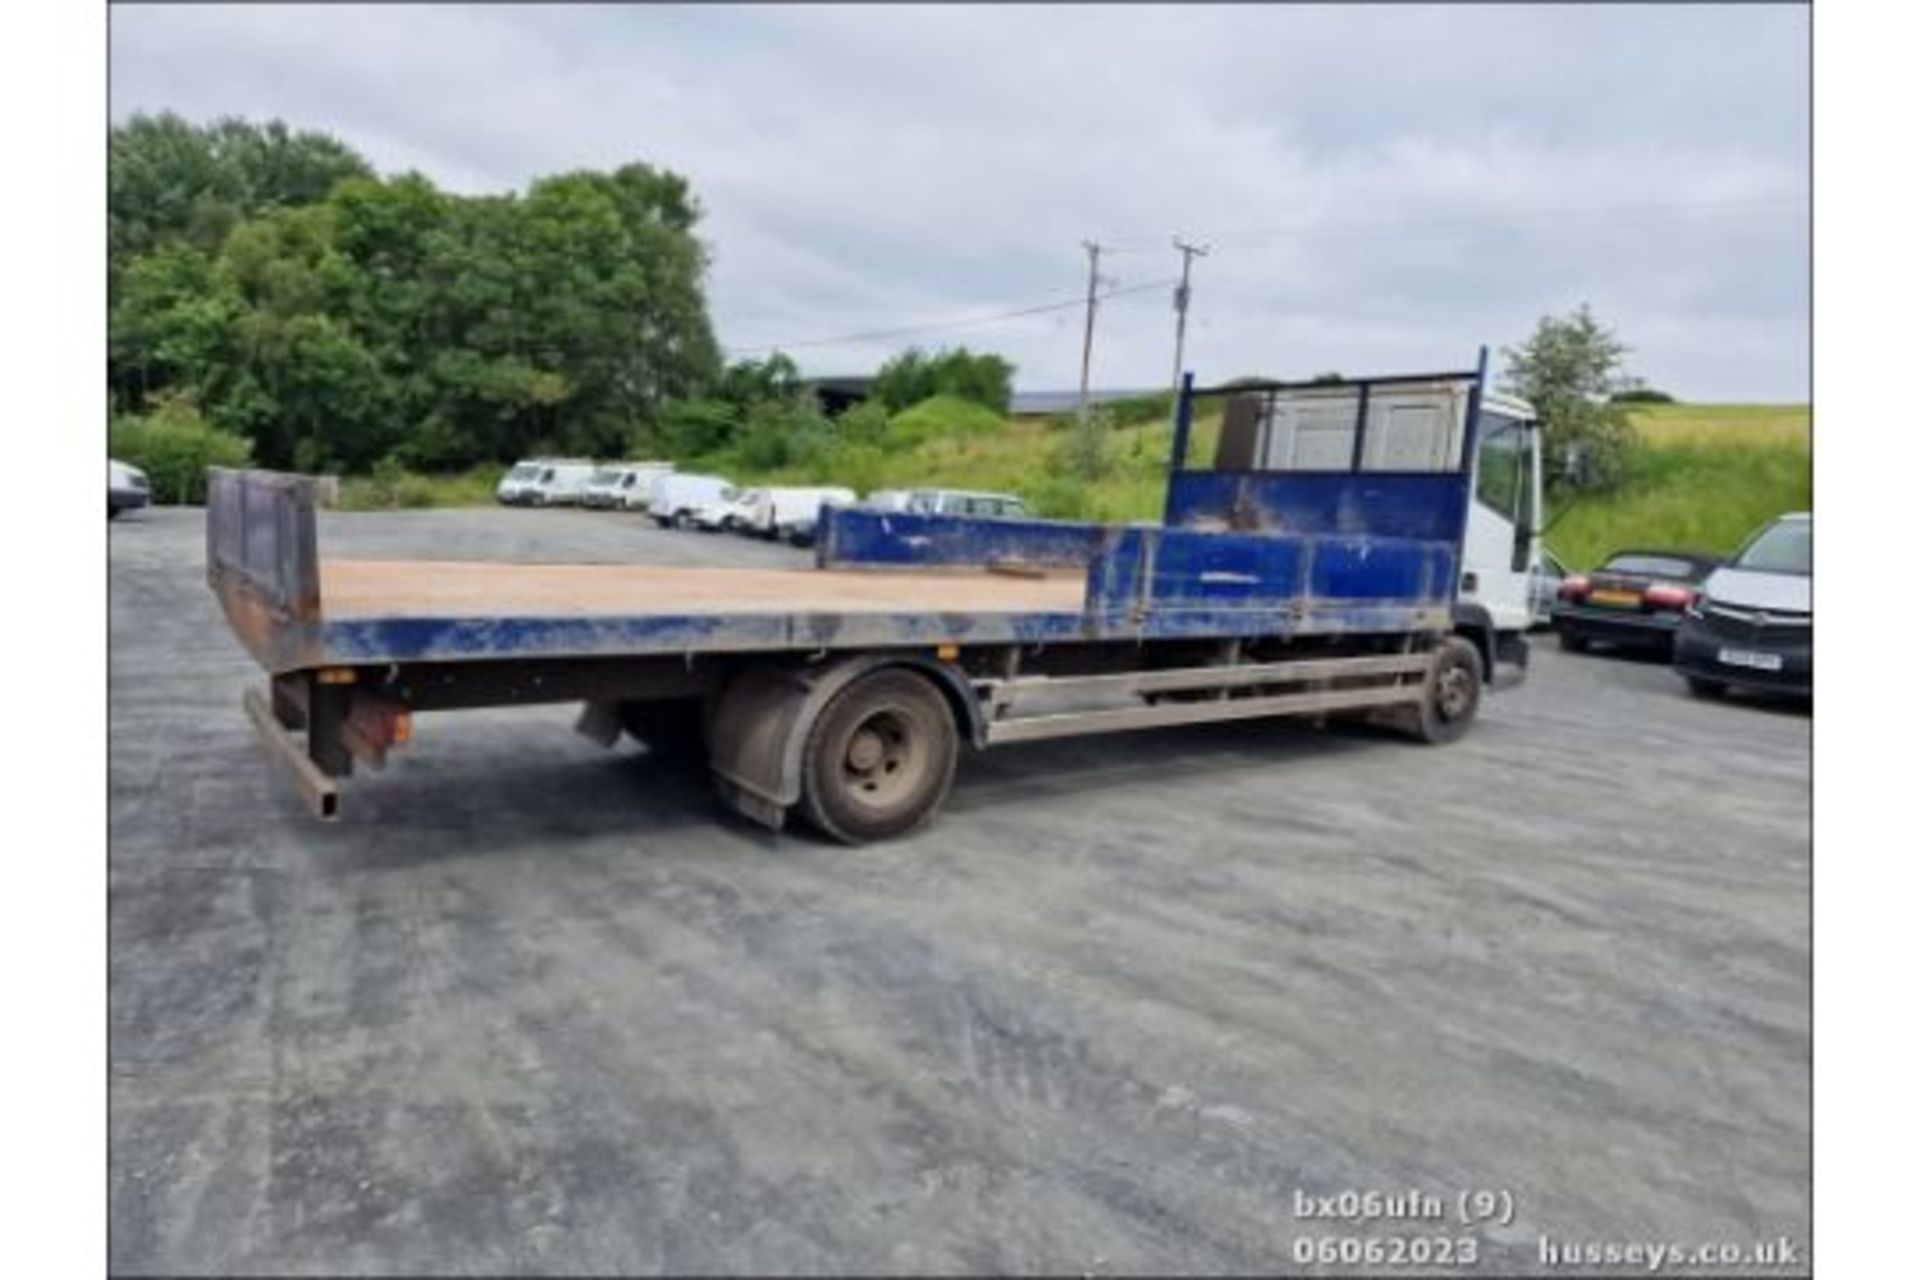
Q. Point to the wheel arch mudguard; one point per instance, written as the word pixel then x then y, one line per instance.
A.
pixel 1474 623
pixel 1503 654
pixel 764 715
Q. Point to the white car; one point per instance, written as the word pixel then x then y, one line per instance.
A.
pixel 676 495
pixel 127 488
pixel 545 482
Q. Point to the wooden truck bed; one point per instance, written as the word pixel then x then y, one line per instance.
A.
pixel 362 589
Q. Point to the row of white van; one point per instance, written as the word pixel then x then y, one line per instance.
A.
pixel 681 500
pixel 561 482
pixel 791 513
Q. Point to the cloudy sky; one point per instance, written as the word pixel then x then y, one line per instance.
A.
pixel 1384 188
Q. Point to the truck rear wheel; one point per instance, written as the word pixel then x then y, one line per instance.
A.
pixel 879 759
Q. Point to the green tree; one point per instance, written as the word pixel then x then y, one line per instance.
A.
pixel 1568 370
pixel 913 376
pixel 169 181
pixel 336 318
pixel 174 445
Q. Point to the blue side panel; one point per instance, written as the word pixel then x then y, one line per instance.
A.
pixel 1164 582
pixel 1225 569
pixel 1430 506
pixel 849 538
pixel 1347 569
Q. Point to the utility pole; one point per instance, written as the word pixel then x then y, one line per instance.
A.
pixel 1181 296
pixel 1086 346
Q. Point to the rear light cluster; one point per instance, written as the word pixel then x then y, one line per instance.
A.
pixel 1668 595
pixel 1661 595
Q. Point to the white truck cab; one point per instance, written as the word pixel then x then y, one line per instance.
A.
pixel 1502 552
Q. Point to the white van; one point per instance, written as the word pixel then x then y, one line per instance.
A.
pixel 545 482
pixel 948 502
pixel 728 511
pixel 675 496
pixel 791 513
pixel 622 485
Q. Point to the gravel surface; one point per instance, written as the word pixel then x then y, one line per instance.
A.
pixel 532 1006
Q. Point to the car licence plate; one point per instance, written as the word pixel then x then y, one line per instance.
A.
pixel 1748 658
pixel 1630 599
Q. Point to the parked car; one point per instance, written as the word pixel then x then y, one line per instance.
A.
pixel 676 495
pixel 1751 624
pixel 1635 599
pixel 621 485
pixel 948 502
pixel 792 513
pixel 1543 588
pixel 727 511
pixel 127 488
pixel 546 482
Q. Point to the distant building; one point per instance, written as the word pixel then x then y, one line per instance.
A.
pixel 1040 404
pixel 839 393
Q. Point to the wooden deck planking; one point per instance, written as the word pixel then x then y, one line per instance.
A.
pixel 358 589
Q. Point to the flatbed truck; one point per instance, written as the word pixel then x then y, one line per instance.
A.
pixel 1320 563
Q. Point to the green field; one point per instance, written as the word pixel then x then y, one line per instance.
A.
pixel 1703 478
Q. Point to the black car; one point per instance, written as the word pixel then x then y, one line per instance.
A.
pixel 1751 625
pixel 1636 598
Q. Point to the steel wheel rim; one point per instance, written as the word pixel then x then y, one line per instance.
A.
pixel 1454 693
pixel 884 759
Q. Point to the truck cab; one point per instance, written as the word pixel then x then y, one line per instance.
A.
pixel 1502 552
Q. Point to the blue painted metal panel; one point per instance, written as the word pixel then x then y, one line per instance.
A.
pixel 852 537
pixel 1430 506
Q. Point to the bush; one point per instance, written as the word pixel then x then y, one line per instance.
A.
pixel 1642 395
pixel 174 445
pixel 1087 452
pixel 782 434
pixel 1060 497
pixel 1140 410
pixel 913 376
pixel 941 417
pixel 391 486
pixel 695 428
pixel 864 423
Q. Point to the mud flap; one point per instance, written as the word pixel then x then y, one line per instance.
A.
pixel 760 727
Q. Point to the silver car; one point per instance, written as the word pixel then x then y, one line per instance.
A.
pixel 127 488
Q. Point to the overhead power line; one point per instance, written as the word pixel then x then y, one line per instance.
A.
pixel 942 326
pixel 1254 239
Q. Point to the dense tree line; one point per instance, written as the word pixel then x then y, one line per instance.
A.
pixel 333 318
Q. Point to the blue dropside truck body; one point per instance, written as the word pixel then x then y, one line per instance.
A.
pixel 846 691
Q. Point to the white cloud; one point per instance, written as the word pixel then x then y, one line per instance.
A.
pixel 866 167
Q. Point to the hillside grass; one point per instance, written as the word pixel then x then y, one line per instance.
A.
pixel 1704 477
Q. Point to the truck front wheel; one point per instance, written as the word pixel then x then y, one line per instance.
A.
pixel 1452 694
pixel 879 759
